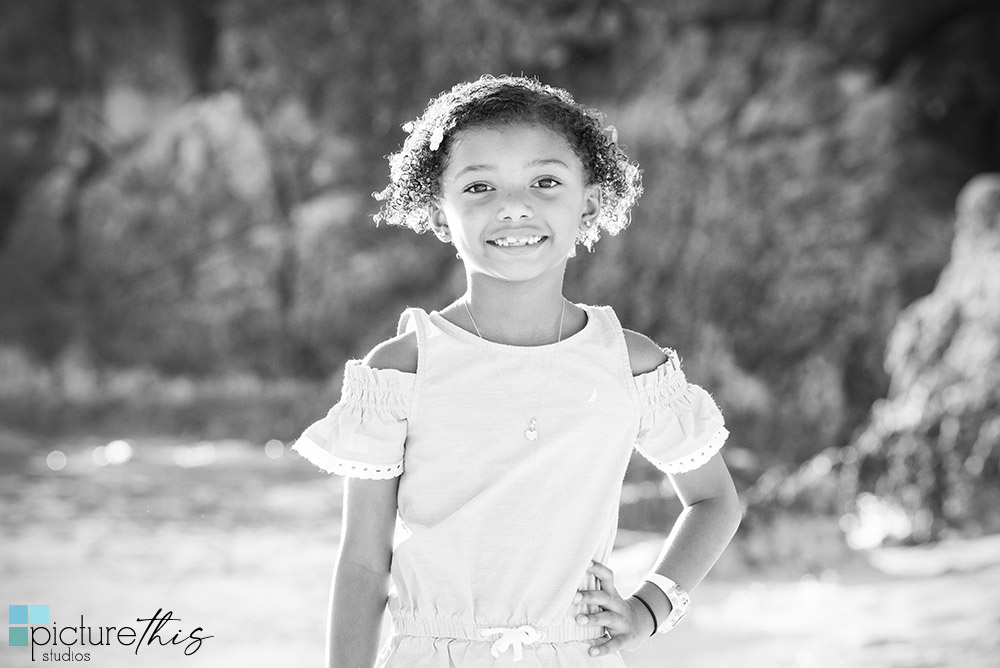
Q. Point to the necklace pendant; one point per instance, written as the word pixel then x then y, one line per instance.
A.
pixel 531 433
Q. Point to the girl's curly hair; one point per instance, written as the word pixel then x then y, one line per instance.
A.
pixel 415 170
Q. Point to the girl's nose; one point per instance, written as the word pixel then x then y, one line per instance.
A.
pixel 514 207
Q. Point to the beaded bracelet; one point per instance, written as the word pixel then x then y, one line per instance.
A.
pixel 652 614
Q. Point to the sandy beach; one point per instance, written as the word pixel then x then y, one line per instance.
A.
pixel 242 545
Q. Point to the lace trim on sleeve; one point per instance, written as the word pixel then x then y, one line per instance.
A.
pixel 701 456
pixel 331 463
pixel 363 434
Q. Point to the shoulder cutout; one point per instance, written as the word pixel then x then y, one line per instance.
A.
pixel 398 353
pixel 643 354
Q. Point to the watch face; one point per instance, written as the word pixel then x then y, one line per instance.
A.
pixel 680 602
pixel 679 599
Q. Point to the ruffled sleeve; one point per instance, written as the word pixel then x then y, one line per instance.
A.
pixel 680 427
pixel 363 434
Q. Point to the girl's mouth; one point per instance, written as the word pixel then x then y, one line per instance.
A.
pixel 509 242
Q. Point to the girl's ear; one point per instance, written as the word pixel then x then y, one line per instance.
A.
pixel 438 222
pixel 591 206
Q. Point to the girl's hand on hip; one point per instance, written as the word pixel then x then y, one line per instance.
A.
pixel 627 621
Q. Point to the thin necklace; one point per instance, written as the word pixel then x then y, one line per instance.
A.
pixel 531 433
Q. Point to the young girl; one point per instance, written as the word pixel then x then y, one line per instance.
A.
pixel 485 445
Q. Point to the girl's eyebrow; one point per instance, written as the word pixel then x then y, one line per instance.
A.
pixel 534 163
pixel 473 168
pixel 547 161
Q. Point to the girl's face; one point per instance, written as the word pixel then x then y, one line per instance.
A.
pixel 513 198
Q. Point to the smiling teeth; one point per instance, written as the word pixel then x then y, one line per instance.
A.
pixel 516 241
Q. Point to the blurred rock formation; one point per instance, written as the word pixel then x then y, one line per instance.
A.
pixel 186 182
pixel 928 461
pixel 182 240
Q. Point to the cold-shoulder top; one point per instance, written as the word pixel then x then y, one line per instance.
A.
pixel 494 531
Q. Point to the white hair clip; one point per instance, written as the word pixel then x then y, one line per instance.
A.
pixel 436 138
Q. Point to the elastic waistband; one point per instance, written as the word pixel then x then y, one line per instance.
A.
pixel 446 628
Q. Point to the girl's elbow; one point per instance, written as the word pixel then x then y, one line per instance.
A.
pixel 734 512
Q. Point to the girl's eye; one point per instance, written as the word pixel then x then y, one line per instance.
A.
pixel 477 188
pixel 546 183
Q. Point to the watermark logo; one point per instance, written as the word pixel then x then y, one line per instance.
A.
pixel 20 617
pixel 30 626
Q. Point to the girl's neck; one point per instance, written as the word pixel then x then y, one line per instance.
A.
pixel 521 314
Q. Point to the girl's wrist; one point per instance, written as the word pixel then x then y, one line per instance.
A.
pixel 656 599
pixel 644 612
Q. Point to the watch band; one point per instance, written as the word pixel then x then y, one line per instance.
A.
pixel 679 599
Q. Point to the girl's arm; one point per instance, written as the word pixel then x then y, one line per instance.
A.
pixel 712 510
pixel 711 515
pixel 361 579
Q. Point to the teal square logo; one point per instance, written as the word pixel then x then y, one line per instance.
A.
pixel 39 614
pixel 18 636
pixel 18 614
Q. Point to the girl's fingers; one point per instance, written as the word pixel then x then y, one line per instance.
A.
pixel 612 612
pixel 614 615
pixel 605 575
pixel 604 618
pixel 605 645
pixel 598 597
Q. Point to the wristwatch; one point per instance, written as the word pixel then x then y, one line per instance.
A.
pixel 680 602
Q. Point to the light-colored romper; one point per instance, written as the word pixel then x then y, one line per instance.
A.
pixel 494 532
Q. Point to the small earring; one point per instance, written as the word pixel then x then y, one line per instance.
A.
pixel 457 256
